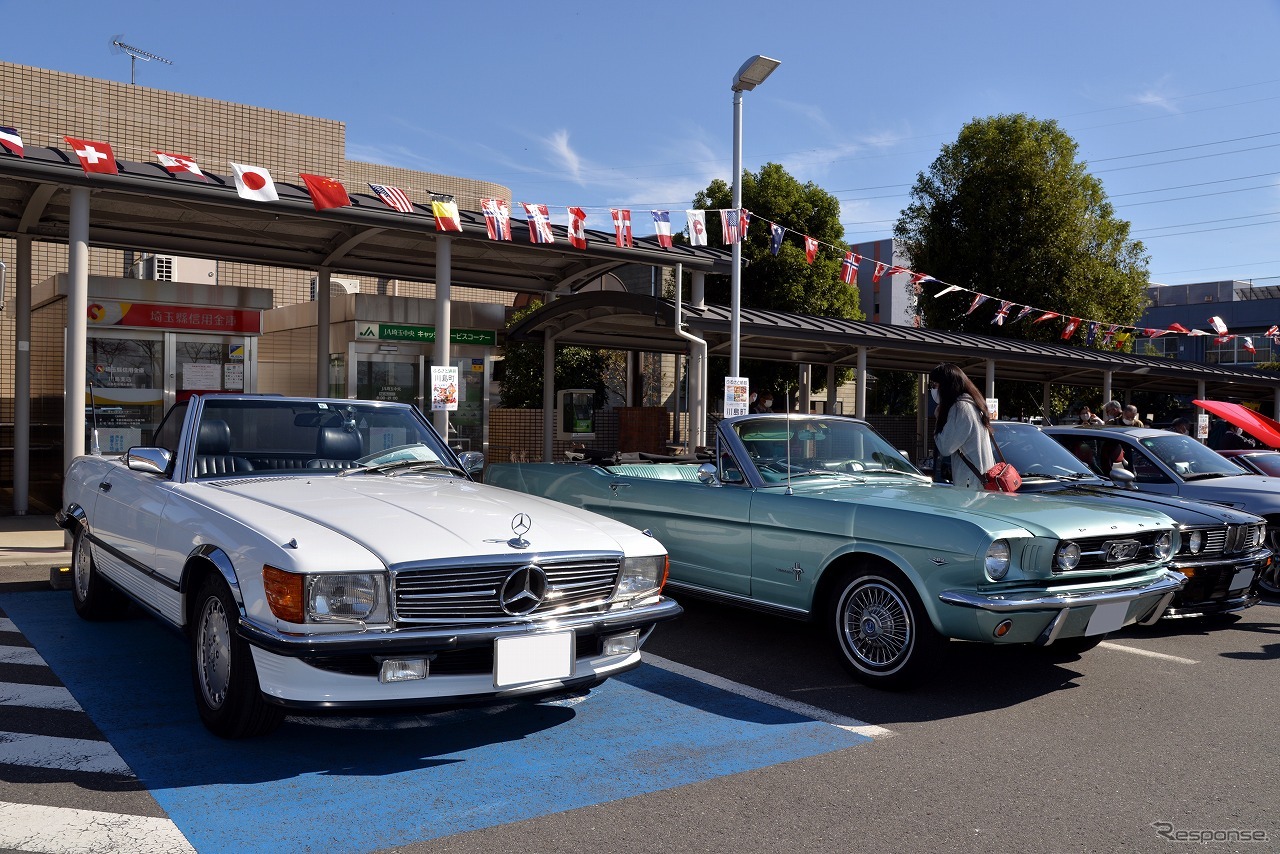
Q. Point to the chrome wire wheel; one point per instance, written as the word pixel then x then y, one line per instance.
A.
pixel 213 650
pixel 876 626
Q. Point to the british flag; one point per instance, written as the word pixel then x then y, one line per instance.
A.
pixel 394 197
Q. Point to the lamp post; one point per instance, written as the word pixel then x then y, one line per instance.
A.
pixel 752 73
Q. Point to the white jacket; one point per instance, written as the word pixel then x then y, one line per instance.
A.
pixel 965 432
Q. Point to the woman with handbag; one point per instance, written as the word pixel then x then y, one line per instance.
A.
pixel 963 428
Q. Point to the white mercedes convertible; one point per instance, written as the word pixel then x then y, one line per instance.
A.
pixel 331 554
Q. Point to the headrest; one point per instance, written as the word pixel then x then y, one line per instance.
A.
pixel 336 443
pixel 214 438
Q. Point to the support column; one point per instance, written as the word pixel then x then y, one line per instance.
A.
pixel 860 390
pixel 324 310
pixel 990 388
pixel 548 397
pixel 77 326
pixel 806 382
pixel 22 378
pixel 698 291
pixel 1106 387
pixel 444 322
pixel 1044 403
pixel 831 389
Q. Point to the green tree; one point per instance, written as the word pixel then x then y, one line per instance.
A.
pixel 785 282
pixel 1007 210
pixel 519 374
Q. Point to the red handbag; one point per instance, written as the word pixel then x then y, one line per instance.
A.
pixel 1001 477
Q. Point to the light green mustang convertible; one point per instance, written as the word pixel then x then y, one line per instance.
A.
pixel 821 518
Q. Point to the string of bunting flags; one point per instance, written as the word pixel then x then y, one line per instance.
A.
pixel 255 183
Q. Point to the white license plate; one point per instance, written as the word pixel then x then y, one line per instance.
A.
pixel 532 658
pixel 1107 617
pixel 1244 577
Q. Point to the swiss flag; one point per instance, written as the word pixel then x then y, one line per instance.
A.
pixel 325 192
pixel 94 156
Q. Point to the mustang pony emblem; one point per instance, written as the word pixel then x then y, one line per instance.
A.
pixel 796 570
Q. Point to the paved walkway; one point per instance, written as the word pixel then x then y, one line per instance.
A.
pixel 30 546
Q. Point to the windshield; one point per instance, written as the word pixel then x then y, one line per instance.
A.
pixel 1188 458
pixel 273 435
pixel 809 446
pixel 1033 453
pixel 1268 464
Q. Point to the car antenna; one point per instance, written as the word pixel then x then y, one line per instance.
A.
pixel 787 436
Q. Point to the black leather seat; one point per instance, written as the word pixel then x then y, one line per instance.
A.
pixel 336 448
pixel 213 450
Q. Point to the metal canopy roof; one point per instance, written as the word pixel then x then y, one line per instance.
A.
pixel 624 321
pixel 146 208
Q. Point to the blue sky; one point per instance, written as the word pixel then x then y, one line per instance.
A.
pixel 1175 105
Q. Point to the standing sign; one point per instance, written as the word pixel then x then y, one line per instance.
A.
pixel 737 391
pixel 993 408
pixel 444 388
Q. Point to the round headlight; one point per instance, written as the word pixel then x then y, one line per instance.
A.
pixel 1067 557
pixel 997 560
pixel 1163 546
pixel 1195 542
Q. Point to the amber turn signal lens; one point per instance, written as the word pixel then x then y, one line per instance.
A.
pixel 666 571
pixel 1002 628
pixel 284 594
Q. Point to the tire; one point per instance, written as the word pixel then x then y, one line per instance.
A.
pixel 1269 579
pixel 93 596
pixel 881 630
pixel 223 676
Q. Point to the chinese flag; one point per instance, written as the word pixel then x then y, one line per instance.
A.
pixel 325 192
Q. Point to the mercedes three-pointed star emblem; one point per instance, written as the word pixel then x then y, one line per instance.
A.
pixel 520 525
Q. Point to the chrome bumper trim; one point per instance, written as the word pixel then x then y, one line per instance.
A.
pixel 419 641
pixel 1168 582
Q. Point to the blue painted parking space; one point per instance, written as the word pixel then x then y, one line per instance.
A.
pixel 367 783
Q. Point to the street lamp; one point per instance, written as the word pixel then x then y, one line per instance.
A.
pixel 752 73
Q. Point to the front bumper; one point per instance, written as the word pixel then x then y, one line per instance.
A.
pixel 1218 587
pixel 1059 606
pixel 340 671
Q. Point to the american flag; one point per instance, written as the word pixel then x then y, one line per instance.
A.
pixel 539 219
pixel 730 226
pixel 497 218
pixel 394 197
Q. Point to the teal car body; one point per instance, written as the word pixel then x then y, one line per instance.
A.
pixel 821 518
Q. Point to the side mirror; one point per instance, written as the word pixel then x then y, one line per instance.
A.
pixel 149 460
pixel 472 462
pixel 1123 477
pixel 707 474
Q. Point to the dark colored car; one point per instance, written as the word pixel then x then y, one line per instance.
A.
pixel 1223 551
pixel 1262 461
pixel 1159 461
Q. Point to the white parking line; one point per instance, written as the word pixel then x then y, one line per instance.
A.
pixel 37 696
pixel 1148 653
pixel 61 830
pixel 69 754
pixel 20 655
pixel 818 714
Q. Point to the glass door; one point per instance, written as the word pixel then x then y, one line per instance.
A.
pixel 381 376
pixel 208 364
pixel 124 398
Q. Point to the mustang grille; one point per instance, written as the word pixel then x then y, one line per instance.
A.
pixel 462 593
pixel 1115 552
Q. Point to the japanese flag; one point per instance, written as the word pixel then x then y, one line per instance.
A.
pixel 254 183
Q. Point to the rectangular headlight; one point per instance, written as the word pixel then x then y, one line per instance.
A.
pixel 347 597
pixel 640 575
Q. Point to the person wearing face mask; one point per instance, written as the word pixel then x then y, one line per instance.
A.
pixel 764 404
pixel 1088 419
pixel 963 428
pixel 1129 417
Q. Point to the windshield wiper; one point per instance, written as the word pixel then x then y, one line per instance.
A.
pixel 1207 474
pixel 401 466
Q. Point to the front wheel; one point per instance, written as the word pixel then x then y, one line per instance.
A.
pixel 93 596
pixel 1269 579
pixel 881 629
pixel 224 678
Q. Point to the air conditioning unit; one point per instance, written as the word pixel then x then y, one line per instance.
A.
pixel 175 268
pixel 337 285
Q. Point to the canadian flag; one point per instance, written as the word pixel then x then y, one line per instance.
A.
pixel 175 163
pixel 578 228
pixel 1217 324
pixel 810 248
pixel 254 183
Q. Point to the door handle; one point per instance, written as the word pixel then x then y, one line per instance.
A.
pixel 105 486
pixel 616 486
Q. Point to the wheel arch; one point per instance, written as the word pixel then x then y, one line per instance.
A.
pixel 207 560
pixel 843 565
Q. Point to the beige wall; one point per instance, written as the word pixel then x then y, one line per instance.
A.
pixel 47 105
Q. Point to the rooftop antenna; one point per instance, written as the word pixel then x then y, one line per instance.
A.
pixel 135 54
